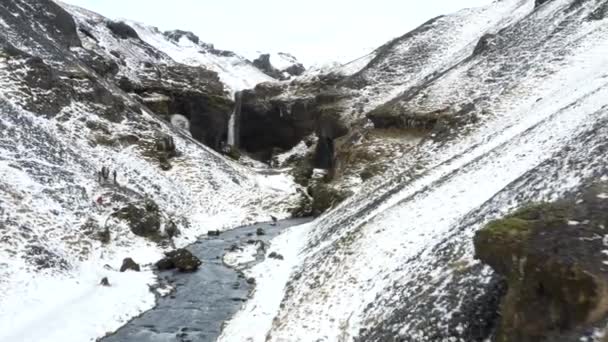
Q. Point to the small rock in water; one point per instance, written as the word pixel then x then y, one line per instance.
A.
pixel 251 281
pixel 129 264
pixel 213 233
pixel 236 285
pixel 260 231
pixel 104 281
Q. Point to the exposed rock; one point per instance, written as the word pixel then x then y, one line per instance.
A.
pixel 176 35
pixel 194 92
pixel 324 197
pixel 42 258
pixel 251 281
pixel 213 233
pixel 295 69
pixel 129 264
pixel 275 255
pixel 233 153
pixel 122 30
pixel 484 43
pixel 260 231
pixel 268 122
pixel 92 228
pixel 165 264
pixel 104 282
pixel 324 153
pixel 172 230
pixel 304 206
pixel 143 219
pixel 181 259
pixel 104 67
pixel 600 13
pixel 540 2
pixel 263 63
pixel 549 255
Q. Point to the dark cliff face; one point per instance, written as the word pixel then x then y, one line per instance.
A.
pixel 268 123
pixel 42 22
pixel 115 51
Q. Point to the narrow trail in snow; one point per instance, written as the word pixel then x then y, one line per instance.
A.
pixel 203 300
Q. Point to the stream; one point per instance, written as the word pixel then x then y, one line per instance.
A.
pixel 203 300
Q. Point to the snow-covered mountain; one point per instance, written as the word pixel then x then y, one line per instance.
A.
pixel 236 72
pixel 469 117
pixel 72 85
pixel 425 141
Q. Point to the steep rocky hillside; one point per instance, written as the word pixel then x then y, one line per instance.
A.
pixel 346 107
pixel 470 117
pixel 90 175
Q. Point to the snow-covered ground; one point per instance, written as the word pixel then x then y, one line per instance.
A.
pixel 383 261
pixel 236 72
pixel 70 305
pixel 52 203
pixel 255 319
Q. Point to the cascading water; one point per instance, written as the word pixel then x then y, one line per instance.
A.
pixel 234 122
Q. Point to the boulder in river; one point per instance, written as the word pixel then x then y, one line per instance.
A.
pixel 129 264
pixel 260 232
pixel 181 259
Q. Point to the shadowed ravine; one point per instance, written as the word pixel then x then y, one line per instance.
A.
pixel 203 300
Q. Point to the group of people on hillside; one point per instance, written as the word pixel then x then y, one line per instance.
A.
pixel 104 174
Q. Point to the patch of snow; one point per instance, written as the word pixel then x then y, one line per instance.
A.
pixel 297 151
pixel 255 318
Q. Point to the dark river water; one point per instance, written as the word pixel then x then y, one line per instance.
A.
pixel 203 300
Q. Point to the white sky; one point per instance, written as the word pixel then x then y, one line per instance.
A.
pixel 315 31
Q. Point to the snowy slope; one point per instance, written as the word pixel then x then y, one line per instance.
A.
pixel 60 122
pixel 236 72
pixel 395 262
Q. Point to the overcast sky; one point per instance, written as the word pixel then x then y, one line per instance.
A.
pixel 315 31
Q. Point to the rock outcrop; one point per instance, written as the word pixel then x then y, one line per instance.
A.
pixel 283 66
pixel 144 219
pixel 164 86
pixel 180 259
pixel 129 264
pixel 551 257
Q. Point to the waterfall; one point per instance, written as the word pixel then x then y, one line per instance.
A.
pixel 235 121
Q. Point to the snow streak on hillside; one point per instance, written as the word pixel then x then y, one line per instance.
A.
pixel 395 262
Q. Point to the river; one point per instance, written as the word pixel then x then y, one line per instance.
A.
pixel 203 300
